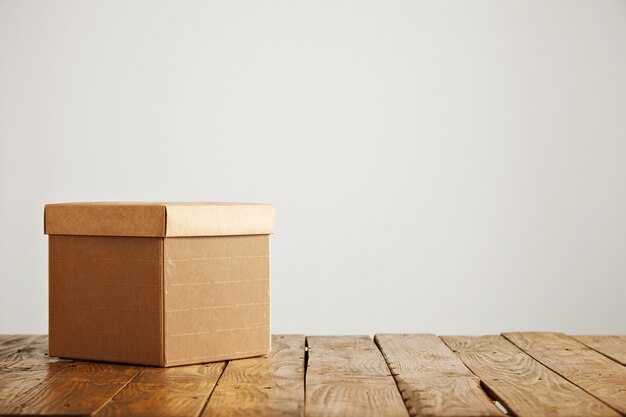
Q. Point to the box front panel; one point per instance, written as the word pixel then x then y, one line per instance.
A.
pixel 217 298
pixel 105 298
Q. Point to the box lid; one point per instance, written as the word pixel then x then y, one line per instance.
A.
pixel 158 219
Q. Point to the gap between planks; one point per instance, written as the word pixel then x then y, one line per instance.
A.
pixel 523 385
pixel 272 386
pixel 177 391
pixel 253 386
pixel 593 372
pixel 36 384
pixel 613 347
pixel 431 379
pixel 347 375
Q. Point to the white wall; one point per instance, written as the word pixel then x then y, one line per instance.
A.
pixel 448 167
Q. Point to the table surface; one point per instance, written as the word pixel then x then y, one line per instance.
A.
pixel 524 374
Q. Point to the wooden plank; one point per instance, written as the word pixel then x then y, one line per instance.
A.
pixel 272 386
pixel 348 376
pixel 11 344
pixel 75 388
pixel 179 391
pixel 613 347
pixel 24 351
pixel 24 364
pixel 32 383
pixel 520 383
pixel 600 376
pixel 432 379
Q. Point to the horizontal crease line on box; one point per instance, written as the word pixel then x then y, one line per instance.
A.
pixel 134 334
pixel 217 307
pixel 220 356
pixel 132 310
pixel 216 258
pixel 62 258
pixel 111 283
pixel 234 281
pixel 235 329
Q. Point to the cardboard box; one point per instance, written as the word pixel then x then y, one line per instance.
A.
pixel 159 284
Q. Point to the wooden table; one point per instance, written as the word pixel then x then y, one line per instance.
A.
pixel 524 374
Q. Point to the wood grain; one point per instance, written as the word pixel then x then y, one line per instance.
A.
pixel 22 352
pixel 600 376
pixel 613 347
pixel 272 386
pixel 24 364
pixel 75 388
pixel 524 386
pixel 348 376
pixel 432 379
pixel 180 391
pixel 11 344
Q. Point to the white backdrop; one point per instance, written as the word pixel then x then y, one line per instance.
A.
pixel 436 166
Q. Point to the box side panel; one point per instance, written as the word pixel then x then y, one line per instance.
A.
pixel 217 298
pixel 105 219
pixel 105 298
pixel 219 219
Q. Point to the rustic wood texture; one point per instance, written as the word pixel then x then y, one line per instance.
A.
pixel 75 388
pixel 520 383
pixel 12 346
pixel 600 376
pixel 613 347
pixel 348 376
pixel 23 353
pixel 31 383
pixel 154 392
pixel 272 386
pixel 338 376
pixel 23 364
pixel 432 379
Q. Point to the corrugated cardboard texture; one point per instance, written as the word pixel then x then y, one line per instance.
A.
pixel 217 298
pixel 219 219
pixel 158 219
pixel 105 298
pixel 179 283
pixel 105 219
